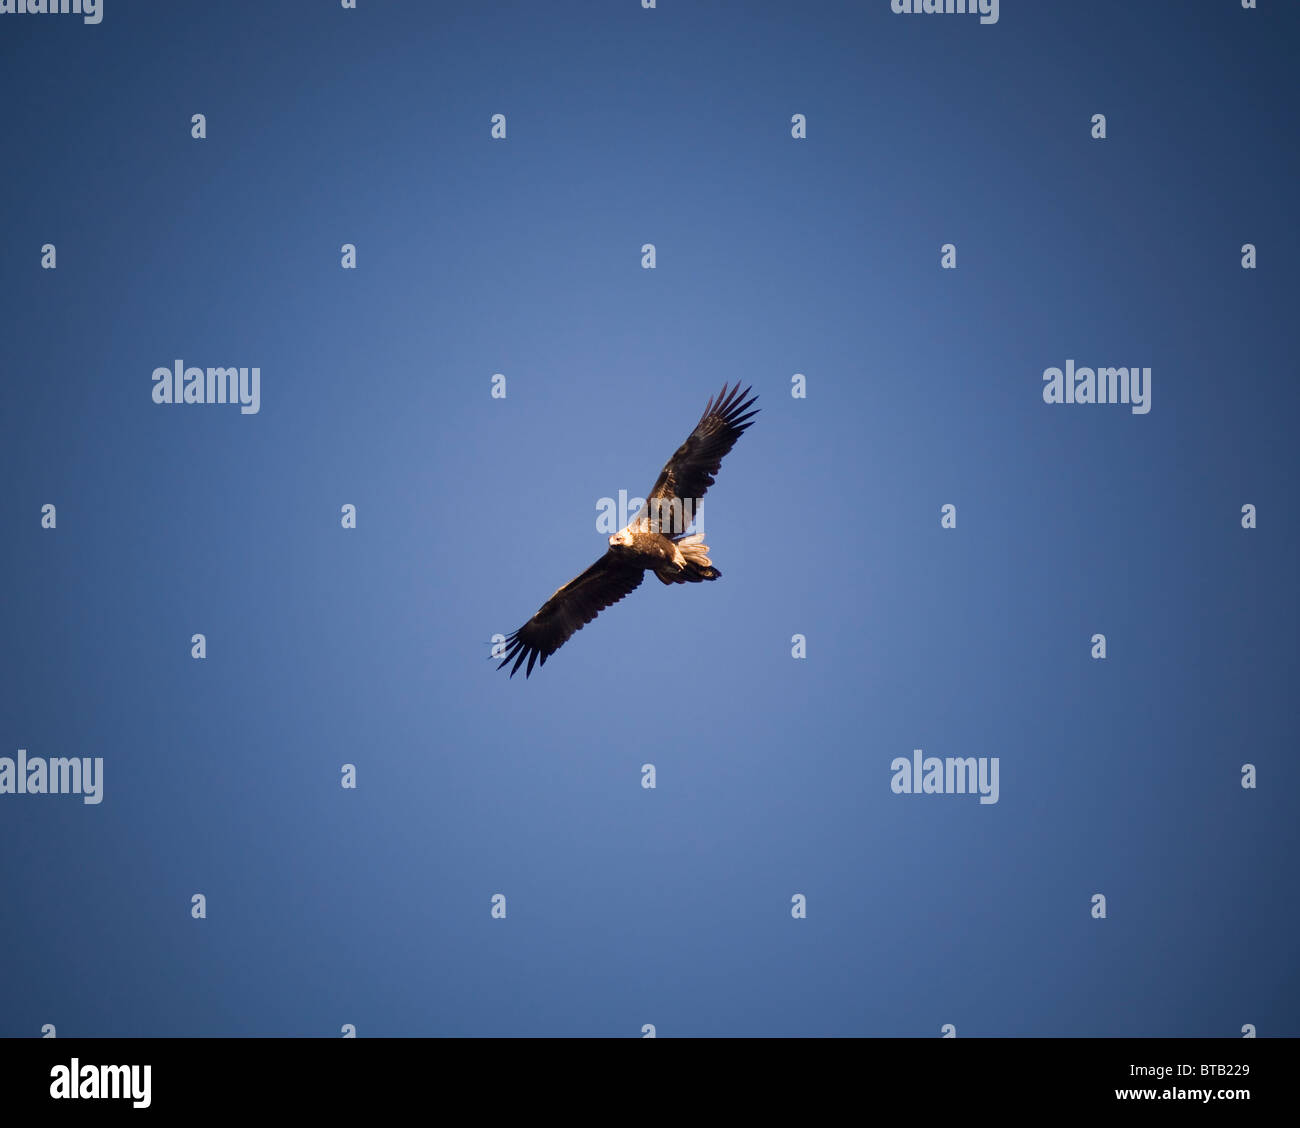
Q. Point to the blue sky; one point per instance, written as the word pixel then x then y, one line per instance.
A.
pixel 774 256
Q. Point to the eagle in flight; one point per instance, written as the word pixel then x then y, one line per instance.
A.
pixel 654 540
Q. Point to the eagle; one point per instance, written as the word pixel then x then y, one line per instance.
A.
pixel 654 540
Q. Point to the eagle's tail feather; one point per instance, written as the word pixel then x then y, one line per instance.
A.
pixel 694 549
pixel 698 566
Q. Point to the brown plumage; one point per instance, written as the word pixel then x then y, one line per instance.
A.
pixel 654 541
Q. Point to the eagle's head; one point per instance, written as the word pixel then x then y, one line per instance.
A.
pixel 621 539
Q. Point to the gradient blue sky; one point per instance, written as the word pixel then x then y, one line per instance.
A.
pixel 775 256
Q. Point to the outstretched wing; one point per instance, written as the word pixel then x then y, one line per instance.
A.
pixel 570 609
pixel 690 472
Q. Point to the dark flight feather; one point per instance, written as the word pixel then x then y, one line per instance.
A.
pixel 570 609
pixel 692 470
